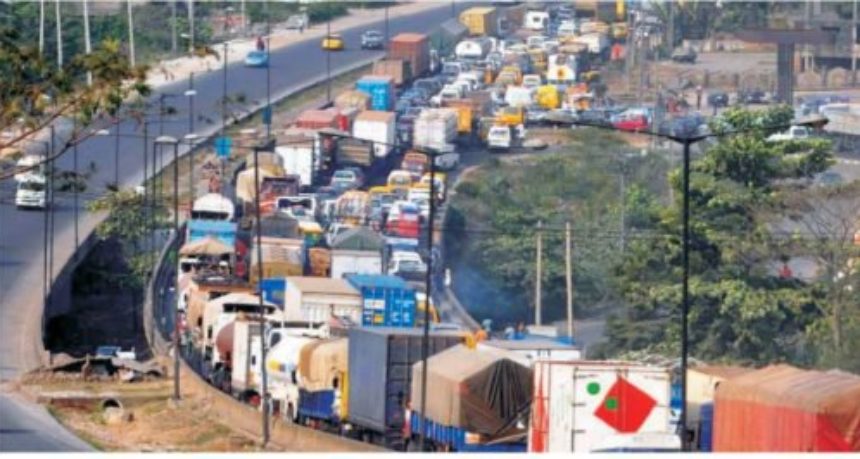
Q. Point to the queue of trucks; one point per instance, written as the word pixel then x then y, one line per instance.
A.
pixel 333 287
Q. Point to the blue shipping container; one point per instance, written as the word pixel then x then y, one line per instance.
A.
pixel 706 428
pixel 455 438
pixel 380 90
pixel 221 230
pixel 273 290
pixel 388 300
pixel 317 405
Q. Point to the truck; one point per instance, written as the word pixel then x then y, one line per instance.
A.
pixel 473 49
pixel 436 129
pixel 380 380
pixel 398 69
pixel 301 159
pixel 583 406
pixel 413 48
pixel 502 138
pixel 388 300
pixel 31 191
pixel 470 408
pixel 213 206
pixel 315 300
pixel 356 251
pixel 480 21
pixel 380 89
pixel 284 379
pixel 562 69
pixel 323 381
pixel 596 42
pixel 377 127
pixel 781 408
pixel 281 257
pixel 353 152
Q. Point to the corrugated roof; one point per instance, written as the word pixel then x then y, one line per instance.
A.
pixel 359 238
pixel 321 285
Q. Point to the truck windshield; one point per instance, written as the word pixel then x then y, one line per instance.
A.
pixel 31 186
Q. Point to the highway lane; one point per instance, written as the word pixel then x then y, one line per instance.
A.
pixel 21 232
pixel 17 434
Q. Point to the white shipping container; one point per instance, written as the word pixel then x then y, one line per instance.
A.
pixel 435 128
pixel 299 159
pixel 377 127
pixel 354 262
pixel 518 96
pixel 317 299
pixel 581 406
pixel 596 42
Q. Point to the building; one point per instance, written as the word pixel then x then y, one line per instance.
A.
pixel 315 300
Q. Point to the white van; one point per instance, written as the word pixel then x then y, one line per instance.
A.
pixel 536 20
pixel 31 191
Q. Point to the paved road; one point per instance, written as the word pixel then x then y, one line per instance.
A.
pixel 21 232
pixel 28 427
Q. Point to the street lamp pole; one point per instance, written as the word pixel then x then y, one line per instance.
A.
pixel 328 63
pixel 428 287
pixel 685 294
pixel 167 140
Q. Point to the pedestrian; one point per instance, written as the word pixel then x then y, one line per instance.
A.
pixel 260 45
pixel 699 97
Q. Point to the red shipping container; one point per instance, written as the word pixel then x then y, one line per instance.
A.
pixel 317 119
pixel 785 409
pixel 412 47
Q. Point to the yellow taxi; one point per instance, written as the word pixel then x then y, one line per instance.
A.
pixel 332 42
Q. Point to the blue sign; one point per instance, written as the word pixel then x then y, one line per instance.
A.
pixel 223 231
pixel 267 115
pixel 222 147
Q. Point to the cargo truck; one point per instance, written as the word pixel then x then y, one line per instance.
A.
pixel 377 127
pixel 301 160
pixel 398 69
pixel 387 300
pixel 323 382
pixel 413 48
pixel 583 407
pixel 480 21
pixel 380 89
pixel 380 379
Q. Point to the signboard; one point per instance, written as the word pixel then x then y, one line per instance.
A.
pixel 221 230
pixel 223 146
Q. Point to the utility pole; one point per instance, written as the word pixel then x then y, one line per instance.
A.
pixel 268 110
pixel 855 48
pixel 130 34
pixel 87 45
pixel 41 27
pixel 328 64
pixel 77 182
pixel 116 157
pixel 59 35
pixel 190 26
pixel 538 271
pixel 386 28
pixel 244 18
pixel 568 262
pixel 173 26
pixel 623 201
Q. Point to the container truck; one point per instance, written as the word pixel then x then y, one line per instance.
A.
pixel 387 300
pixel 436 129
pixel 473 49
pixel 352 98
pixel 477 399
pixel 597 43
pixel 398 69
pixel 781 408
pixel 323 381
pixel 282 257
pixel 585 406
pixel 377 127
pixel 301 160
pixel 380 378
pixel 480 21
pixel 356 251
pixel 314 300
pixel 284 380
pixel 413 48
pixel 380 89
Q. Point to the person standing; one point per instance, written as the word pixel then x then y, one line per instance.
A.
pixel 699 97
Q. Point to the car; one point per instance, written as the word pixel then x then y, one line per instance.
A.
pixel 334 230
pixel 298 22
pixel 685 55
pixel 372 39
pixel 430 85
pixel 332 42
pixel 257 59
pixel 447 161
pixel 718 99
pixel 348 178
pixel 793 133
pixel 407 265
pixel 752 96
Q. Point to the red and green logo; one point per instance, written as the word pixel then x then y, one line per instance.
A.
pixel 624 407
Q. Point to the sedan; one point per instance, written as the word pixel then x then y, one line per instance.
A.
pixel 348 178
pixel 718 99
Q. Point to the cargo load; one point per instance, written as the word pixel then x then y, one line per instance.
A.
pixel 414 48
pixel 317 299
pixel 388 300
pixel 380 380
pixel 377 127
pixel 352 98
pixel 356 251
pixel 480 20
pixel 398 69
pixel 380 89
pixel 320 261
pixel 482 391
pixel 322 369
pixel 354 152
pixel 245 188
pixel 281 258
pixel 318 119
pixel 781 408
pixel 300 159
pixel 435 128
pixel 584 406
pixel 223 231
pixel 475 48
pixel 465 114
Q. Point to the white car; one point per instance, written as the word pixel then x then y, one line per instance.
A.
pixel 406 264
pixel 31 191
pixel 793 133
pixel 448 161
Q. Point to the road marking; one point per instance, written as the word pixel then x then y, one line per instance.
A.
pixel 854 162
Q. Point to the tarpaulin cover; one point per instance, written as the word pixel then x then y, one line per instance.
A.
pixel 782 408
pixel 320 362
pixel 478 390
pixel 206 246
pixel 245 189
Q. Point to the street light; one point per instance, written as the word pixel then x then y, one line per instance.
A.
pixel 815 121
pixel 191 139
pixel 162 141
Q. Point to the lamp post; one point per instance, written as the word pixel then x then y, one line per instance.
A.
pixel 428 286
pixel 191 138
pixel 162 141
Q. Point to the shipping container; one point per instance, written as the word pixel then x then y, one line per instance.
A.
pixel 388 300
pixel 380 89
pixel 273 290
pixel 412 47
pixel 435 128
pixel 380 364
pixel 480 20
pixel 785 409
pixel 398 69
pixel 377 127
pixel 300 159
pixel 316 299
pixel 706 428
pixel 483 392
pixel 581 406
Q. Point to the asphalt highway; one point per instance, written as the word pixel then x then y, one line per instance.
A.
pixel 22 232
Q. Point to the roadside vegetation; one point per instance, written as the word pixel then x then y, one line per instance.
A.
pixel 755 206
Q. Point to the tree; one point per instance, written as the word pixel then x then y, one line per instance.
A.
pixel 741 308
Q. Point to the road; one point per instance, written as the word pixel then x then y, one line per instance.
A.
pixel 17 434
pixel 21 232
